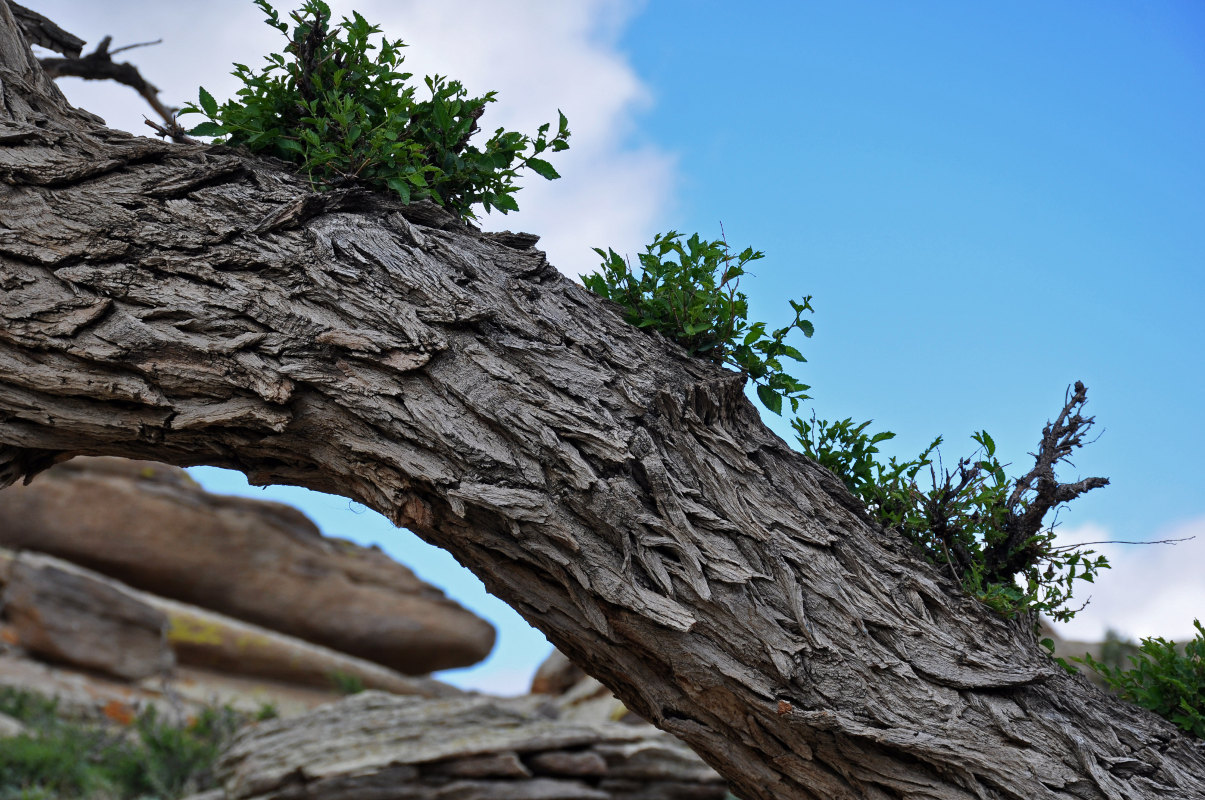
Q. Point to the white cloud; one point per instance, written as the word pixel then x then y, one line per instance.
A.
pixel 539 55
pixel 1151 590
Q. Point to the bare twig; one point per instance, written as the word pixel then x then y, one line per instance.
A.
pixel 942 524
pixel 171 130
pixel 1064 547
pixel 132 46
pixel 99 66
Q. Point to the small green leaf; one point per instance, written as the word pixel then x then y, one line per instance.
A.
pixel 208 104
pixel 401 187
pixel 208 129
pixel 770 399
pixel 543 168
pixel 505 203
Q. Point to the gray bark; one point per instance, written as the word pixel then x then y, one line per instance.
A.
pixel 194 305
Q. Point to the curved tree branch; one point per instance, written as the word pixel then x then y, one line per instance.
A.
pixel 45 33
pixel 197 306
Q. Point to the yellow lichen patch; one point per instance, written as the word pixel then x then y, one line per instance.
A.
pixel 187 629
pixel 248 641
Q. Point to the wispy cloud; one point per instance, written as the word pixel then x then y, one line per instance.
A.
pixel 1151 590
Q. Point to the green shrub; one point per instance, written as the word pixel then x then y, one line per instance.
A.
pixel 345 114
pixel 57 763
pixel 1116 651
pixel 169 760
pixel 693 298
pixel 26 706
pixel 346 683
pixel 266 711
pixel 985 529
pixel 1163 678
pixel 59 758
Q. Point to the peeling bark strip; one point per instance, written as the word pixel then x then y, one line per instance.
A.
pixel 192 305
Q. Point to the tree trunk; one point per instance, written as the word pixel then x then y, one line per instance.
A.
pixel 193 305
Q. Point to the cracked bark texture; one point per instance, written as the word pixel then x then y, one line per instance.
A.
pixel 193 305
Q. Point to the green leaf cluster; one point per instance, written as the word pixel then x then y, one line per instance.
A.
pixel 689 291
pixel 1165 678
pixel 338 104
pixel 985 528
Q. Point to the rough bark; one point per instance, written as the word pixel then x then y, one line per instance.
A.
pixel 197 306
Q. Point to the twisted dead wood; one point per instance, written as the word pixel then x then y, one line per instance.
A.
pixel 197 306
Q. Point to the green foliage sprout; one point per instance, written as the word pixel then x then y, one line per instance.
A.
pixel 1164 679
pixel 692 296
pixel 985 529
pixel 338 105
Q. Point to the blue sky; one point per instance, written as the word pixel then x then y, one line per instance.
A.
pixel 986 203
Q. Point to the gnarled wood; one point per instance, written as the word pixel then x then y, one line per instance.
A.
pixel 196 306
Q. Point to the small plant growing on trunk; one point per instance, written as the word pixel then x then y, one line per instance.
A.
pixel 338 105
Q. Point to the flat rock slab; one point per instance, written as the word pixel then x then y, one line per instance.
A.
pixel 375 745
pixel 69 615
pixel 152 527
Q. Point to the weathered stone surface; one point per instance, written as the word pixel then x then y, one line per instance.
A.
pixel 381 746
pixel 204 640
pixel 67 614
pixel 576 695
pixel 84 693
pixel 218 643
pixel 152 527
pixel 570 762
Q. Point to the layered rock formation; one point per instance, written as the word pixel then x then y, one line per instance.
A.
pixel 152 527
pixel 103 646
pixel 65 614
pixel 465 748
